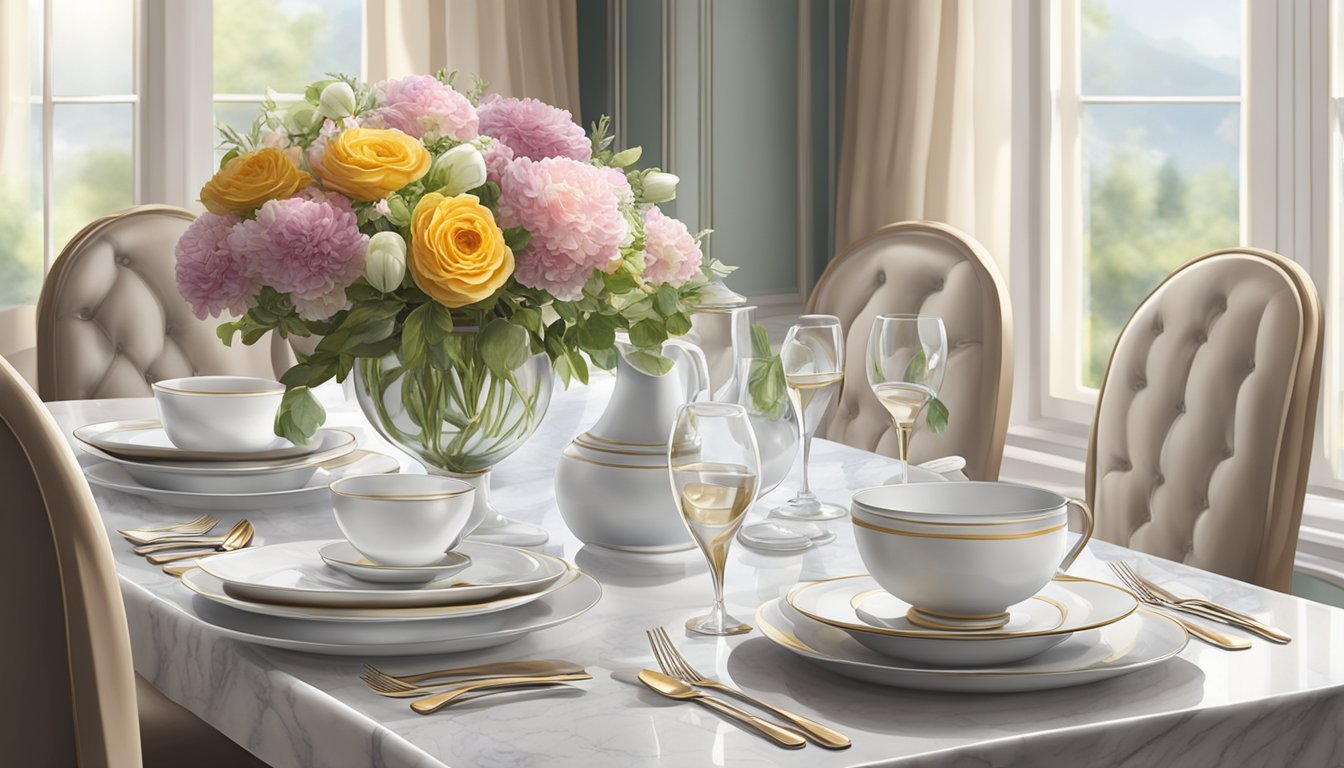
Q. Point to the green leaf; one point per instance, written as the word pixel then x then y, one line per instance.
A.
pixel 598 332
pixel 567 311
pixel 937 415
pixel 760 341
pixel 413 335
pixel 299 416
pixel 648 333
pixel 619 282
pixel 665 300
pixel 517 238
pixel 603 358
pixel 917 369
pixel 678 323
pixel 651 363
pixel 765 385
pixel 438 322
pixel 297 375
pixel 502 346
pixel 528 318
pixel 225 331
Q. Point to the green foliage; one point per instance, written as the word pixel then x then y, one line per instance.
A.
pixel 765 376
pixel 299 415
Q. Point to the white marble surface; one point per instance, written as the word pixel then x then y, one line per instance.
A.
pixel 1271 705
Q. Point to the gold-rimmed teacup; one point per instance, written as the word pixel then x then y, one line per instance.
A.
pixel 962 552
pixel 230 414
pixel 402 520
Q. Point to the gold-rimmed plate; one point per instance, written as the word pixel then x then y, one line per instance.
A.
pixel 857 606
pixel 1137 642
pixel 146 440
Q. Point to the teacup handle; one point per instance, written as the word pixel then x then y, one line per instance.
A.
pixel 1087 533
pixel 697 379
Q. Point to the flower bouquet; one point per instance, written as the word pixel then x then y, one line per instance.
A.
pixel 450 248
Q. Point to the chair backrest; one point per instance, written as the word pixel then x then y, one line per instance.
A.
pixel 926 268
pixel 110 319
pixel 69 696
pixel 1202 439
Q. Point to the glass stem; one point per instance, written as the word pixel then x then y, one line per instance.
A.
pixel 903 450
pixel 805 491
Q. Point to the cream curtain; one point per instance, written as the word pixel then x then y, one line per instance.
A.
pixel 519 47
pixel 14 108
pixel 927 119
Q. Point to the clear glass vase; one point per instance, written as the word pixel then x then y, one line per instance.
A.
pixel 459 422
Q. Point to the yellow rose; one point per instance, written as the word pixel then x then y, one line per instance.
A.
pixel 458 255
pixel 252 178
pixel 371 163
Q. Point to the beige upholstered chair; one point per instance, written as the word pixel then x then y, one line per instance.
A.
pixel 110 319
pixel 1203 431
pixel 70 694
pixel 927 268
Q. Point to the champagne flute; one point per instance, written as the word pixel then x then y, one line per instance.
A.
pixel 714 466
pixel 907 357
pixel 813 356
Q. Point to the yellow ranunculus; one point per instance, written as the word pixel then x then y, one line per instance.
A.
pixel 458 255
pixel 371 163
pixel 250 179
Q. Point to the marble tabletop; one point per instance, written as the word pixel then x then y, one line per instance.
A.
pixel 1270 705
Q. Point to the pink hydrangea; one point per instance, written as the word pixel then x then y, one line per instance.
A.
pixel 308 246
pixel 616 177
pixel 572 212
pixel 534 129
pixel 319 146
pixel 212 276
pixel 497 155
pixel 670 253
pixel 423 107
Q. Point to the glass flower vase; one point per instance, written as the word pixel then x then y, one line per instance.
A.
pixel 459 422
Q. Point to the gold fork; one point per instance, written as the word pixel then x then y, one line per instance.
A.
pixel 1202 607
pixel 676 665
pixel 495 669
pixel 438 697
pixel 1207 634
pixel 239 536
pixel 197 527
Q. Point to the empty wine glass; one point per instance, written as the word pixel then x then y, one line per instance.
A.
pixel 714 466
pixel 907 357
pixel 813 356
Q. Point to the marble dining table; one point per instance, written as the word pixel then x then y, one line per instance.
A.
pixel 1270 705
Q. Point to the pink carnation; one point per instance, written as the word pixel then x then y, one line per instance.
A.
pixel 212 276
pixel 670 253
pixel 308 246
pixel 497 156
pixel 534 129
pixel 423 107
pixel 572 212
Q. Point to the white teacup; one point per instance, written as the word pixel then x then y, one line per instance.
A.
pixel 231 414
pixel 963 552
pixel 402 520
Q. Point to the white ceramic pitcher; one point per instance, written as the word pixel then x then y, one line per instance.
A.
pixel 611 484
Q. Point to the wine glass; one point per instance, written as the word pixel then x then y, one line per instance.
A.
pixel 714 465
pixel 907 357
pixel 813 356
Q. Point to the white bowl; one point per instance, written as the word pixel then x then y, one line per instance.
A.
pixel 231 414
pixel 962 552
pixel 402 520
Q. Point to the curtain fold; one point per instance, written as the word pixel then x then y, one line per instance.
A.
pixel 519 47
pixel 927 119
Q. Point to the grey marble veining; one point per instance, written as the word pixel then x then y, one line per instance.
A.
pixel 1271 705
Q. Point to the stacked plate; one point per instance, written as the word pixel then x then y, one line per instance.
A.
pixel 137 457
pixel 1074 631
pixel 322 597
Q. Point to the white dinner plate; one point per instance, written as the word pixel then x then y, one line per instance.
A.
pixel 1131 644
pixel 146 439
pixel 343 556
pixel 403 638
pixel 213 589
pixel 293 573
pixel 334 448
pixel 106 474
pixel 859 607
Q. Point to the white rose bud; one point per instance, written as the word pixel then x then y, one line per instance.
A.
pixel 457 170
pixel 385 261
pixel 659 187
pixel 337 101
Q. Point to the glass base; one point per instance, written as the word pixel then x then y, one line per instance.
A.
pixel 511 533
pixel 799 508
pixel 717 622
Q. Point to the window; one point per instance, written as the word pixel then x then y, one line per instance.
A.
pixel 1150 126
pixel 69 114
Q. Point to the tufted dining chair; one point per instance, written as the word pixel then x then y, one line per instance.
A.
pixel 927 268
pixel 1203 432
pixel 71 696
pixel 110 319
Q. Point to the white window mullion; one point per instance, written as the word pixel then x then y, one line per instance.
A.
pixel 48 155
pixel 178 115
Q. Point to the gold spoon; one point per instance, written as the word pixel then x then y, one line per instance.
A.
pixel 239 536
pixel 675 689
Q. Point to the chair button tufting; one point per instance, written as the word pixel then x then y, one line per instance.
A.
pixel 123 260
pixel 1140 383
pixel 939 284
pixel 85 314
pixel 1157 329
pixel 1202 338
pixel 881 278
pixel 117 349
pixel 1204 502
pixel 1227 452
pixel 149 378
pixel 1180 407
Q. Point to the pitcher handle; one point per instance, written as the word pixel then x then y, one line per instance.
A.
pixel 697 379
pixel 1087 532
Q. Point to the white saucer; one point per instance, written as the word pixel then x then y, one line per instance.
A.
pixel 857 606
pixel 403 638
pixel 213 589
pixel 793 536
pixel 145 439
pixel 106 474
pixel 343 556
pixel 1137 642
pixel 294 574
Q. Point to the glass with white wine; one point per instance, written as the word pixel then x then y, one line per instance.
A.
pixel 907 358
pixel 813 356
pixel 715 466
